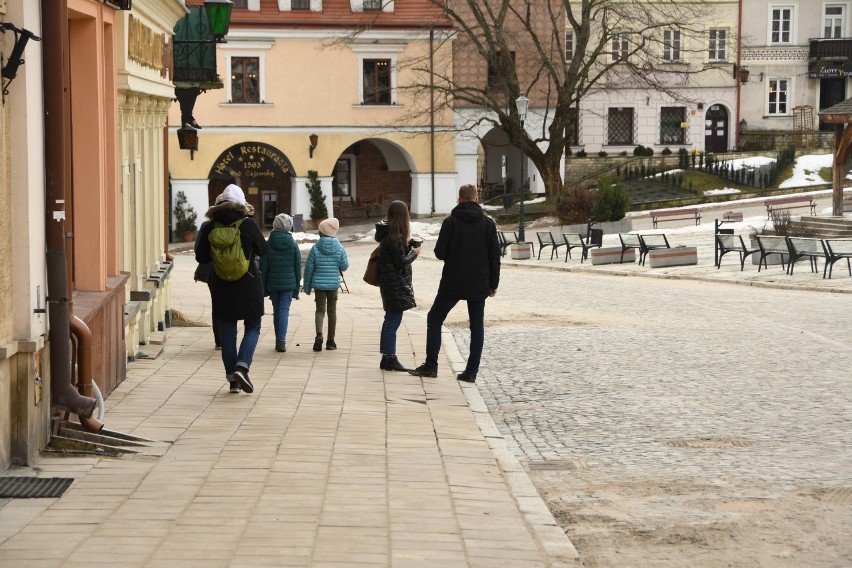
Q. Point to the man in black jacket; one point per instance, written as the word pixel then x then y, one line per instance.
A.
pixel 467 243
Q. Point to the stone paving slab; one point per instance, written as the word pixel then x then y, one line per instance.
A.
pixel 331 462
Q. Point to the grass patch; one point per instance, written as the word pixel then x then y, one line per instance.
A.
pixel 702 181
pixel 827 174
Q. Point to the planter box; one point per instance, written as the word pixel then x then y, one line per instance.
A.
pixel 521 251
pixel 611 255
pixel 677 256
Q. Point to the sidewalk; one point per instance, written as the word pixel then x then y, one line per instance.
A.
pixel 331 462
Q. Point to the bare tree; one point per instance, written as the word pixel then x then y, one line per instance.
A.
pixel 502 48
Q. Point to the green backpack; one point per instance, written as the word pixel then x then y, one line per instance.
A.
pixel 226 249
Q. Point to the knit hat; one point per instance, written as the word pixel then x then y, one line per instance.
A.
pixel 283 222
pixel 234 193
pixel 329 227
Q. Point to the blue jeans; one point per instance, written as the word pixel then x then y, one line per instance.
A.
pixel 438 313
pixel 387 343
pixel 280 312
pixel 228 334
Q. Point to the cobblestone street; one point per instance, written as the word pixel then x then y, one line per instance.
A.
pixel 693 416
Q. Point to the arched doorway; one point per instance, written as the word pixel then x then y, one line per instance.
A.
pixel 367 176
pixel 262 171
pixel 716 125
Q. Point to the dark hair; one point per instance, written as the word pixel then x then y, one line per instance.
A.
pixel 399 225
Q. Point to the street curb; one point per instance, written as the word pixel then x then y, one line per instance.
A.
pixel 551 538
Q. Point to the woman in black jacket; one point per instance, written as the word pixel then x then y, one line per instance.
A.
pixel 396 254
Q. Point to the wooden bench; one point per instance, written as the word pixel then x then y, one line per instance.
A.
pixel 801 247
pixel 837 249
pixel 787 203
pixel 733 243
pixel 770 244
pixel 662 215
pixel 649 243
pixel 576 240
pixel 546 239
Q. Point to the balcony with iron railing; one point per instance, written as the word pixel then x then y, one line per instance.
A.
pixel 824 49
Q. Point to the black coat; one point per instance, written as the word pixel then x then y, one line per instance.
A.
pixel 395 278
pixel 243 298
pixel 468 246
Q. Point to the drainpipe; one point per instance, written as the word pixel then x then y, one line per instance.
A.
pixel 737 74
pixel 432 113
pixel 167 194
pixel 83 335
pixel 56 81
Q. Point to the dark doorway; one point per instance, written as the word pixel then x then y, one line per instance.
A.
pixel 831 92
pixel 716 124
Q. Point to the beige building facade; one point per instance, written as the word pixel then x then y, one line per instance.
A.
pixel 290 74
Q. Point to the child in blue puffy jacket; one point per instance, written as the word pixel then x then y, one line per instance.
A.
pixel 326 261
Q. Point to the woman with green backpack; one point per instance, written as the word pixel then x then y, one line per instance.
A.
pixel 231 241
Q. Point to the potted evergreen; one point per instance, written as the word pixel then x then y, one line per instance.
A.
pixel 319 211
pixel 185 216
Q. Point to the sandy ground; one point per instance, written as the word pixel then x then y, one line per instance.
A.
pixel 681 524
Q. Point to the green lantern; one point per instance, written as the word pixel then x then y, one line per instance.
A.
pixel 219 17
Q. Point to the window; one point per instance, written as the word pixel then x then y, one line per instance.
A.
pixel 300 4
pixel 671 131
pixel 782 24
pixel 341 185
pixel 671 45
pixel 778 97
pixel 497 72
pixel 377 82
pixel 620 127
pixel 620 46
pixel 245 80
pixel 240 4
pixel 717 47
pixel 569 45
pixel 372 5
pixel 833 21
pixel 572 130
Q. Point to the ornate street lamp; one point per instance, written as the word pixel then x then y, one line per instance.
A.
pixel 522 103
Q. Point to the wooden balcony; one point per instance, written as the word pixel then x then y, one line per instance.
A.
pixel 831 49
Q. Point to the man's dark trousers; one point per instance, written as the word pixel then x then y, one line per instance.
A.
pixel 438 313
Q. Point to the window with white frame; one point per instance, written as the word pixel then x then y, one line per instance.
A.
pixel 569 45
pixel 245 80
pixel 620 46
pixel 300 4
pixel 717 44
pixel 240 3
pixel 372 5
pixel 781 25
pixel 376 81
pixel 778 97
pixel 671 46
pixel 835 21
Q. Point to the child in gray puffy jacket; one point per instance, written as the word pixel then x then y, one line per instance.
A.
pixel 326 261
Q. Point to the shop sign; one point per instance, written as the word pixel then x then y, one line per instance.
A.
pixel 251 160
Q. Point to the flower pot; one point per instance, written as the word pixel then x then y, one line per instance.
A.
pixel 189 237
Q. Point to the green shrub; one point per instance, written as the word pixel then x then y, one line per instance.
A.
pixel 666 151
pixel 602 154
pixel 610 201
pixel 581 153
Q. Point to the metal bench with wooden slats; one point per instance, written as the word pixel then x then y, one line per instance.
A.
pixel 801 248
pixel 769 245
pixel 835 250
pixel 787 203
pixel 576 240
pixel 733 243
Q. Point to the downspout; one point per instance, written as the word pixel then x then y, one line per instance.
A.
pixel 432 112
pixel 85 375
pixel 737 74
pixel 167 194
pixel 55 71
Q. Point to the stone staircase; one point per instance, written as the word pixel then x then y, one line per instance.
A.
pixel 829 227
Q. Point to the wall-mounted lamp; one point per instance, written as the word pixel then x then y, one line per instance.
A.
pixel 314 141
pixel 741 74
pixel 743 126
pixel 10 67
pixel 762 75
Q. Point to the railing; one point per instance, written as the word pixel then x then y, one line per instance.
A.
pixel 830 49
